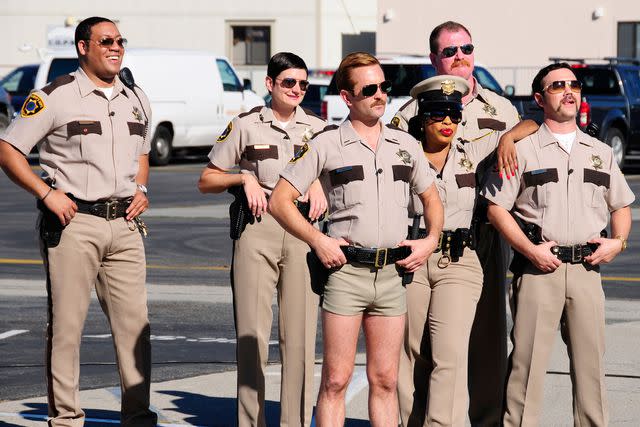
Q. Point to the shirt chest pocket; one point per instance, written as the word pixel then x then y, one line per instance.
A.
pixel 466 190
pixel 401 178
pixel 266 161
pixel 539 182
pixel 346 186
pixel 596 185
pixel 85 136
pixel 137 132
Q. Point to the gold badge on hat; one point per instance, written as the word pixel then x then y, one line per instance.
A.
pixel 490 109
pixel 466 163
pixel 596 161
pixel 448 86
pixel 405 156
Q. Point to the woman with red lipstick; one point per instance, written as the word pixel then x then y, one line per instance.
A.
pixel 441 300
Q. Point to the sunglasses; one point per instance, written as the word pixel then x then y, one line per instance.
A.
pixel 439 116
pixel 449 51
pixel 288 83
pixel 109 41
pixel 370 90
pixel 559 85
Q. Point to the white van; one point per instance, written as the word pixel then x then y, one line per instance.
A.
pixel 193 94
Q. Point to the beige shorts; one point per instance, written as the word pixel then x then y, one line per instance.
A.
pixel 361 288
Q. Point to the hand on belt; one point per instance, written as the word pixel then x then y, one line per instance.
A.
pixel 109 210
pixel 574 254
pixel 378 257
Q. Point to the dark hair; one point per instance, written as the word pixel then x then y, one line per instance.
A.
pixel 83 30
pixel 282 61
pixel 536 85
pixel 449 26
pixel 349 62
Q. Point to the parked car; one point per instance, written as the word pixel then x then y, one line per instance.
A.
pixel 611 90
pixel 193 94
pixel 19 83
pixel 6 110
pixel 315 94
pixel 404 72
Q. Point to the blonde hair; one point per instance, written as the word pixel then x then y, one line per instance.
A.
pixel 349 62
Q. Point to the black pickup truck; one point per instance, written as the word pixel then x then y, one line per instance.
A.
pixel 611 89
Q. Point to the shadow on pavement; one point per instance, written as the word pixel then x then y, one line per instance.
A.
pixel 38 412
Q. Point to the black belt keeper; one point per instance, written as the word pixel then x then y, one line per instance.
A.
pixel 574 254
pixel 109 209
pixel 378 257
pixel 452 242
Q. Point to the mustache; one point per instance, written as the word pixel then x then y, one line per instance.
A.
pixel 460 63
pixel 569 96
pixel 378 102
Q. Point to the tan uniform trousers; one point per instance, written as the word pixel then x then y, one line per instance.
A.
pixel 573 295
pixel 441 303
pixel 267 258
pixel 488 341
pixel 111 255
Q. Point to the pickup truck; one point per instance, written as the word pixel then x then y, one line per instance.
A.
pixel 612 93
pixel 404 72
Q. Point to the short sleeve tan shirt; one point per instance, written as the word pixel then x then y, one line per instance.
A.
pixel 569 196
pixel 369 191
pixel 457 183
pixel 89 145
pixel 256 142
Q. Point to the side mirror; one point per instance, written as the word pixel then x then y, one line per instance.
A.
pixel 246 83
pixel 509 90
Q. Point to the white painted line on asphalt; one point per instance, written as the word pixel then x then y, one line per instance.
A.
pixel 12 333
pixel 181 338
pixel 86 420
pixel 358 383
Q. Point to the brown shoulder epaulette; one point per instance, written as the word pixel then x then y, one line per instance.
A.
pixel 311 113
pixel 252 111
pixel 406 104
pixel 326 129
pixel 394 127
pixel 60 81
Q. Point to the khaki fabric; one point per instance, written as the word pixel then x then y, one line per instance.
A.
pixel 89 145
pixel 368 191
pixel 568 195
pixel 441 303
pixel 256 142
pixel 572 296
pixel 112 256
pixel 267 259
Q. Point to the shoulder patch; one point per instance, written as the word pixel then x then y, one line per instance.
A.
pixel 60 81
pixel 252 111
pixel 300 153
pixel 32 106
pixel 326 129
pixel 312 114
pixel 225 133
pixel 395 122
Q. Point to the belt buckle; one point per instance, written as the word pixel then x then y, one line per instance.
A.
pixel 576 254
pixel 112 209
pixel 384 262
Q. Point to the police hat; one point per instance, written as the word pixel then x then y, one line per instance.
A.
pixel 440 93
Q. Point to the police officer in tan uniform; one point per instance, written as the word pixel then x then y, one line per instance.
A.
pixel 565 186
pixel 441 300
pixel 266 258
pixel 94 155
pixel 368 170
pixel 484 114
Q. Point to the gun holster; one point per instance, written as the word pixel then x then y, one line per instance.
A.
pixel 239 213
pixel 519 261
pixel 319 273
pixel 50 226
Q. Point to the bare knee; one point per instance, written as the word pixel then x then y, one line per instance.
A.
pixel 335 382
pixel 383 380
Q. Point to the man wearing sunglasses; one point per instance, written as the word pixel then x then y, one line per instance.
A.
pixel 484 113
pixel 368 171
pixel 93 153
pixel 564 191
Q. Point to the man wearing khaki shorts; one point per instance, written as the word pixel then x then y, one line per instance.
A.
pixel 368 171
pixel 566 186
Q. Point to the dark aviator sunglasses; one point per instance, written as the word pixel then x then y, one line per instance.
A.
pixel 370 90
pixel 449 51
pixel 439 116
pixel 289 82
pixel 109 41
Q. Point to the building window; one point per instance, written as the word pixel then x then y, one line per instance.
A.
pixel 629 39
pixel 250 44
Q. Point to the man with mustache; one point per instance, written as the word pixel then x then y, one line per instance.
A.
pixel 485 113
pixel 566 187
pixel 368 171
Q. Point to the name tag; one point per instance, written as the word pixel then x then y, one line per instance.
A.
pixel 262 146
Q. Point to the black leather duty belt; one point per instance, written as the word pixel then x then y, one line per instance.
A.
pixel 109 210
pixel 574 254
pixel 460 237
pixel 378 257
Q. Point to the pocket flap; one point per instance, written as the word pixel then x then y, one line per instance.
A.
pixel 401 173
pixel 136 128
pixel 540 177
pixel 597 177
pixel 261 152
pixel 346 174
pixel 83 127
pixel 466 180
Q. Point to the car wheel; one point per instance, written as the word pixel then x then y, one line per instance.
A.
pixel 160 153
pixel 615 139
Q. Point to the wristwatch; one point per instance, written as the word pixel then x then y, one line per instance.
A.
pixel 624 242
pixel 143 188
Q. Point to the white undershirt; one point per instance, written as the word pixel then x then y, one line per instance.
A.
pixel 108 91
pixel 565 140
pixel 283 125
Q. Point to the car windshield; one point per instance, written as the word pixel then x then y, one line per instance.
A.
pixel 597 81
pixel 60 66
